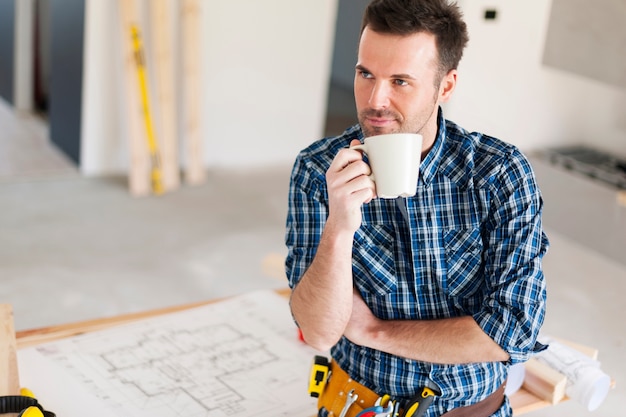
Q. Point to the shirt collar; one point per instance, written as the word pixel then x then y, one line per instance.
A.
pixel 429 165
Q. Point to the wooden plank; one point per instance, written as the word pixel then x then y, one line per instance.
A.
pixel 34 337
pixel 163 34
pixel 523 402
pixel 195 172
pixel 544 382
pixel 139 169
pixel 26 338
pixel 9 375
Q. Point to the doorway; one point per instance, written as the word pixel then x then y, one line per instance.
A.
pixel 41 57
pixel 341 110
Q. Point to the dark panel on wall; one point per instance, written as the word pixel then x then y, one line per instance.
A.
pixel 66 74
pixel 7 46
pixel 341 110
pixel 347 35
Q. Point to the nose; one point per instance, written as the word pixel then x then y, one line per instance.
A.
pixel 379 97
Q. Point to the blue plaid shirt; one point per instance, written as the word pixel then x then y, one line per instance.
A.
pixel 470 242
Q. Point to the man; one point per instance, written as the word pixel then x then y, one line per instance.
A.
pixel 443 290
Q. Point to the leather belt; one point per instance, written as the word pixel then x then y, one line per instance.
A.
pixel 340 384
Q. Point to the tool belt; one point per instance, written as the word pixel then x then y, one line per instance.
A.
pixel 339 384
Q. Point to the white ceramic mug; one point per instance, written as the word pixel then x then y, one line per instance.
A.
pixel 395 161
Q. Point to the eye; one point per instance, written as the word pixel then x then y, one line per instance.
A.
pixel 365 74
pixel 400 82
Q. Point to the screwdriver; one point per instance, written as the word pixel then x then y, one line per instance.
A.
pixel 418 405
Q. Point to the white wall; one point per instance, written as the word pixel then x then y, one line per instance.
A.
pixel 266 75
pixel 504 90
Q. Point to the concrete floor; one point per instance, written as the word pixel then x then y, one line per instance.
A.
pixel 75 248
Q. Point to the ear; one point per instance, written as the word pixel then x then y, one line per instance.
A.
pixel 446 88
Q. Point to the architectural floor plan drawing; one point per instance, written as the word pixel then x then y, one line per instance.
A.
pixel 236 358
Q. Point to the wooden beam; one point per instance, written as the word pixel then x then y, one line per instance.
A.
pixel 9 376
pixel 544 382
pixel 163 34
pixel 195 172
pixel 33 337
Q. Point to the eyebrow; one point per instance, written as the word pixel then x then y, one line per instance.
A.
pixel 395 76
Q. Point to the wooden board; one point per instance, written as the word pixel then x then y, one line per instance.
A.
pixel 544 382
pixel 33 337
pixel 195 172
pixel 26 338
pixel 9 376
pixel 163 36
pixel 523 402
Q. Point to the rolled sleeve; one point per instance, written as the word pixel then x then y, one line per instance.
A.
pixel 306 217
pixel 513 309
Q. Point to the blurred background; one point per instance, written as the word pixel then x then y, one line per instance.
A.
pixel 275 75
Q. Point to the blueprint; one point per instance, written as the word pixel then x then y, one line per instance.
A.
pixel 237 358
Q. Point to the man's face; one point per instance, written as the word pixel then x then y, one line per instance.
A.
pixel 394 84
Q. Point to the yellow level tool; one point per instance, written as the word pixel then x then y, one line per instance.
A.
pixel 153 148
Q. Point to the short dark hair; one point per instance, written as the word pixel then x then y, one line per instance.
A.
pixel 405 17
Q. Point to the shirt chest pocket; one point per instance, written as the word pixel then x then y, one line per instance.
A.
pixel 463 250
pixel 373 262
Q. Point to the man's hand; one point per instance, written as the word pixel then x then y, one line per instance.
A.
pixel 349 187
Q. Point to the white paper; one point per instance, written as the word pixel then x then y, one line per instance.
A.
pixel 239 358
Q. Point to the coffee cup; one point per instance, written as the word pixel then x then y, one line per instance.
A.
pixel 395 161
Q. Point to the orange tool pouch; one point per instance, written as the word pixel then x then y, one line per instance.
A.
pixel 333 399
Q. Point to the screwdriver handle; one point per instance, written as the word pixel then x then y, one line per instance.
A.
pixel 419 404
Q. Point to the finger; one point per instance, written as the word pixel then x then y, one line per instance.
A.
pixel 362 189
pixel 344 158
pixel 355 142
pixel 352 178
pixel 356 169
